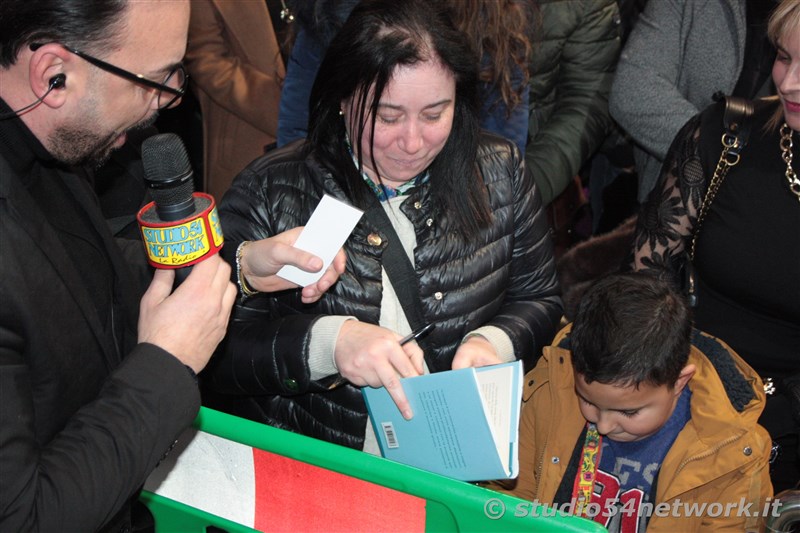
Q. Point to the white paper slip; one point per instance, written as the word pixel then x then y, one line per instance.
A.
pixel 324 233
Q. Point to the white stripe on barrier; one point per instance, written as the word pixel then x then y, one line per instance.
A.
pixel 210 473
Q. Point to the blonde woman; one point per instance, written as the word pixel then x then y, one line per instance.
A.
pixel 747 254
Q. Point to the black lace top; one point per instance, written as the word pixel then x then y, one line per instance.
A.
pixel 748 250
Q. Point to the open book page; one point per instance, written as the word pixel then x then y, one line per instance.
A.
pixel 495 386
pixel 501 393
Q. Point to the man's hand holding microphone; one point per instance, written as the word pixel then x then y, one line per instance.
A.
pixel 182 236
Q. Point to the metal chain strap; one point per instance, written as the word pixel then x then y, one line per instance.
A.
pixel 727 159
pixel 786 148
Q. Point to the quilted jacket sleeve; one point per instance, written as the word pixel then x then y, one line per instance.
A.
pixel 532 307
pixel 571 73
pixel 266 350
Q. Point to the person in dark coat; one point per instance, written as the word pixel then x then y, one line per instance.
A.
pixel 394 129
pixel 97 374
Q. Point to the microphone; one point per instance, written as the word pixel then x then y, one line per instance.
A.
pixel 179 227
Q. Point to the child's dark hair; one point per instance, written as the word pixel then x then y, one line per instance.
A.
pixel 631 328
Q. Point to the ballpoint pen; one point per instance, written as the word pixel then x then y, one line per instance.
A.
pixel 414 335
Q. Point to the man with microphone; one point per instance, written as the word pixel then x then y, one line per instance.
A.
pixel 97 374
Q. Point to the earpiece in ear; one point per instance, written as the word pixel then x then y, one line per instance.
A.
pixel 58 81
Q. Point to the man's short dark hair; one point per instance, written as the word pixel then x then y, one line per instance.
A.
pixel 84 24
pixel 631 328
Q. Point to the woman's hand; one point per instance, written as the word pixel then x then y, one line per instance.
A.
pixel 367 354
pixel 474 352
pixel 260 260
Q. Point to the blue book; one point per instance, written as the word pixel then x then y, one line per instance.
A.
pixel 465 424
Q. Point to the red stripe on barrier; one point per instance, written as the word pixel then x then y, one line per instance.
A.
pixel 294 496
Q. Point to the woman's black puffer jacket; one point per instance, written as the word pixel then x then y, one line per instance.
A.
pixel 504 276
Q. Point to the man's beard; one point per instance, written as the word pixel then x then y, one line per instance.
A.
pixel 82 145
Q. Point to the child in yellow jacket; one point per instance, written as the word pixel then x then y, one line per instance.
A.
pixel 634 420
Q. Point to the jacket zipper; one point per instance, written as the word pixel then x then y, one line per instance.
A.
pixel 709 452
pixel 540 465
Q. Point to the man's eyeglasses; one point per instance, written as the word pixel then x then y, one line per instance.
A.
pixel 169 91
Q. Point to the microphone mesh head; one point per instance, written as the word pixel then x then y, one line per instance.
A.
pixel 167 170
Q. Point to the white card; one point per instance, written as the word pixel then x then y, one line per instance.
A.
pixel 324 233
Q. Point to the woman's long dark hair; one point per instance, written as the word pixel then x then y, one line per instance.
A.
pixel 379 36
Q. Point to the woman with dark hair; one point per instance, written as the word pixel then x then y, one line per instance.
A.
pixel 499 31
pixel 394 130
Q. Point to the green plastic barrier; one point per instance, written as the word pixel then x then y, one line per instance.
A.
pixel 450 505
pixel 174 517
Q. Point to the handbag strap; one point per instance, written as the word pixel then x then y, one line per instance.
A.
pixel 737 131
pixel 398 266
